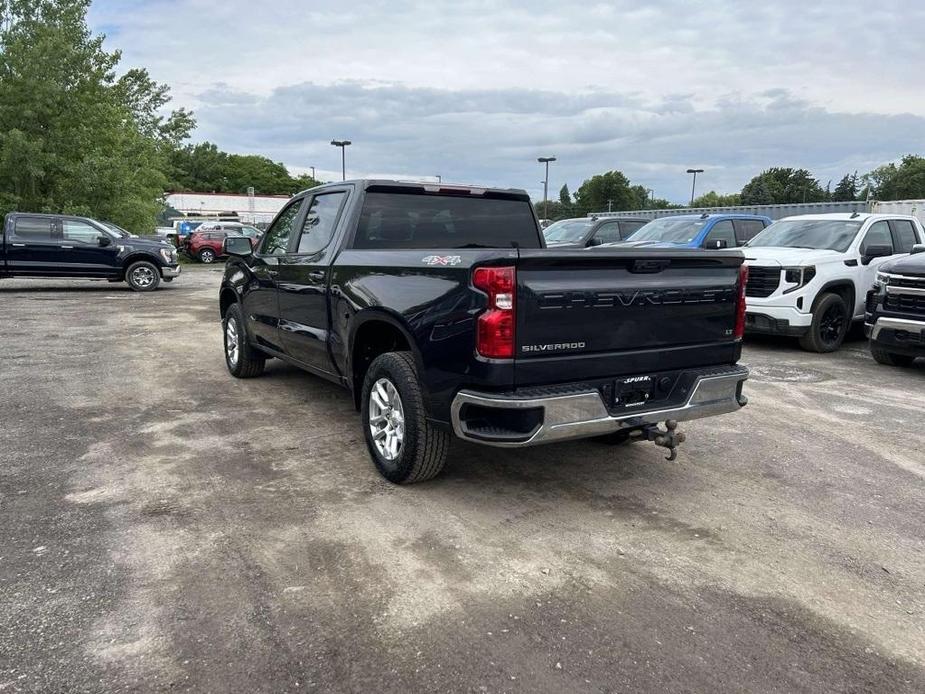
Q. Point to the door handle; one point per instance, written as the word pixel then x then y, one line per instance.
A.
pixel 18 245
pixel 66 246
pixel 317 275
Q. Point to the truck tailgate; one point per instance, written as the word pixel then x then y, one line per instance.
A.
pixel 594 314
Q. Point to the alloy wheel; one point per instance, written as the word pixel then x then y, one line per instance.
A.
pixel 386 419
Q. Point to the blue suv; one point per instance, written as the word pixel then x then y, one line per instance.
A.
pixel 699 231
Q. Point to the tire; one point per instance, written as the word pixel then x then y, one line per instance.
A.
pixel 168 280
pixel 890 358
pixel 831 322
pixel 422 448
pixel 143 276
pixel 207 256
pixel 245 361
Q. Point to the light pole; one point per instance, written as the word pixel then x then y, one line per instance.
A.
pixel 546 160
pixel 694 184
pixel 343 144
pixel 314 180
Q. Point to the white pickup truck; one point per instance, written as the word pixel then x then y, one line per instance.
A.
pixel 809 274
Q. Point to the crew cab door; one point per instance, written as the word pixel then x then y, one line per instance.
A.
pixel 83 252
pixel 32 246
pixel 303 283
pixel 260 300
pixel 878 234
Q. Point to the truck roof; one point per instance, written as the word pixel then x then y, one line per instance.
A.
pixel 849 216
pixel 716 215
pixel 453 188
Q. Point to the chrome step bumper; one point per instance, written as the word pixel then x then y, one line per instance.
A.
pixel 584 414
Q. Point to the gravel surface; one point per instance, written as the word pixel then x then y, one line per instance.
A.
pixel 166 527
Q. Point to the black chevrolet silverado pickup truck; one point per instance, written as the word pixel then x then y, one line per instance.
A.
pixel 54 245
pixel 894 319
pixel 443 313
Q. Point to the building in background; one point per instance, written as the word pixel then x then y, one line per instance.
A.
pixel 258 210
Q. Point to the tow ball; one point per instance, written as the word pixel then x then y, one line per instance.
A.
pixel 669 437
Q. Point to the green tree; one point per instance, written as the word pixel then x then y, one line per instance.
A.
pixel 714 199
pixel 204 167
pixel 74 138
pixel 782 185
pixel 607 191
pixel 903 182
pixel 847 188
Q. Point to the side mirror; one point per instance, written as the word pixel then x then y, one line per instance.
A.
pixel 595 242
pixel 918 248
pixel 875 251
pixel 237 245
pixel 717 244
pixel 104 241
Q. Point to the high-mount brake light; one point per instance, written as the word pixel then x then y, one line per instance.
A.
pixel 739 331
pixel 495 330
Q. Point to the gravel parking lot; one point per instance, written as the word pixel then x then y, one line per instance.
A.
pixel 163 525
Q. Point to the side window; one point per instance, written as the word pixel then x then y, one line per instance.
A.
pixel 630 228
pixel 280 231
pixel 903 235
pixel 33 229
pixel 608 233
pixel 721 231
pixel 80 232
pixel 747 229
pixel 319 222
pixel 877 235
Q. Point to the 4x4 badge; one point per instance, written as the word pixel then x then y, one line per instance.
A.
pixel 441 260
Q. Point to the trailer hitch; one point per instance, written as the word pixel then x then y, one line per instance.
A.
pixel 669 438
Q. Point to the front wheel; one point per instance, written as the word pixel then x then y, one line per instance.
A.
pixel 207 255
pixel 831 322
pixel 143 276
pixel 405 447
pixel 890 358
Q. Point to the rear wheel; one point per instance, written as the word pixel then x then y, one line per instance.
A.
pixel 831 322
pixel 405 447
pixel 143 276
pixel 207 255
pixel 242 360
pixel 890 358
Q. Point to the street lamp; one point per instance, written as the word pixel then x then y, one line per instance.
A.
pixel 314 180
pixel 546 160
pixel 343 144
pixel 694 184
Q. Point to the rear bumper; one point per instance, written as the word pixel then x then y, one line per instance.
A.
pixel 583 414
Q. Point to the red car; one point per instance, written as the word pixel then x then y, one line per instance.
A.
pixel 205 243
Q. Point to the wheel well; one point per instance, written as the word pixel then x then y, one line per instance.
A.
pixel 843 289
pixel 135 257
pixel 226 299
pixel 373 338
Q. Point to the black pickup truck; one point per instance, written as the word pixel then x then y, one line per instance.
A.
pixel 52 245
pixel 443 313
pixel 894 319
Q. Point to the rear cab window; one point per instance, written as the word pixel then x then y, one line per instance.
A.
pixel 904 237
pixel 747 229
pixel 34 229
pixel 411 219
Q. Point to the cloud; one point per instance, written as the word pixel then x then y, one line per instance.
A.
pixel 475 90
pixel 493 137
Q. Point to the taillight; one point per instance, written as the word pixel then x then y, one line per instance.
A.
pixel 739 332
pixel 495 331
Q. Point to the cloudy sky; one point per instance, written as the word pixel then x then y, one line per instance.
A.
pixel 475 91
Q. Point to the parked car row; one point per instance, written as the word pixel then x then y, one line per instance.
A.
pixel 810 276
